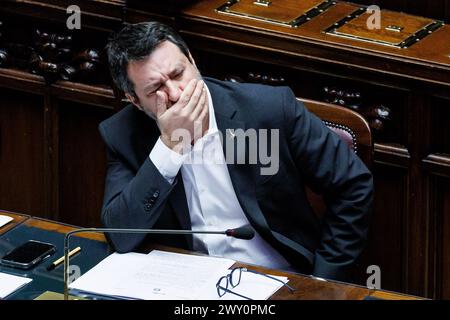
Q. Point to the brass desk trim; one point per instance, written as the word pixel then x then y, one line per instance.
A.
pixel 406 43
pixel 295 23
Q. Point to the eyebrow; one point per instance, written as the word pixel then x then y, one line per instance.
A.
pixel 153 84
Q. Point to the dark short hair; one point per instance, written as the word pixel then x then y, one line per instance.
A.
pixel 135 42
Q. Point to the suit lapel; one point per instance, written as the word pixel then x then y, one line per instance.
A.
pixel 228 120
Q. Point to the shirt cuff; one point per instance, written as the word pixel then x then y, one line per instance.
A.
pixel 167 161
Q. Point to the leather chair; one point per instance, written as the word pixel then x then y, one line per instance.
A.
pixel 351 127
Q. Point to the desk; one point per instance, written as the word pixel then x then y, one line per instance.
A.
pixel 17 219
pixel 96 249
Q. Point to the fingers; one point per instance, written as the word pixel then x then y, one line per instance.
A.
pixel 199 107
pixel 186 94
pixel 161 103
pixel 204 112
pixel 200 122
pixel 195 98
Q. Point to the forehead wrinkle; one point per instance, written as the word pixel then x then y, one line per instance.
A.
pixel 162 75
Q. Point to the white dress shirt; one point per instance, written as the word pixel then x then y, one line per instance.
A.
pixel 211 198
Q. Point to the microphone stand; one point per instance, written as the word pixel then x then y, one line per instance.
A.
pixel 229 232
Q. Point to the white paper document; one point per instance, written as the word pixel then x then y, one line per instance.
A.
pixel 5 220
pixel 154 276
pixel 10 283
pixel 162 275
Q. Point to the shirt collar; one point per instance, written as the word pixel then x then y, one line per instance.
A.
pixel 212 128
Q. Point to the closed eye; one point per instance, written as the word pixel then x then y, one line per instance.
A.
pixel 178 74
pixel 150 93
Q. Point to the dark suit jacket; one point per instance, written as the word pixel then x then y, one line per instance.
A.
pixel 137 196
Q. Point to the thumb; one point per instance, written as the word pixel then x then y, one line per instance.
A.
pixel 161 103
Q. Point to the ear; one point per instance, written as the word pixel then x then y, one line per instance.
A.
pixel 134 101
pixel 192 59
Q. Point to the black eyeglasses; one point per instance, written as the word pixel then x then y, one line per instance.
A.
pixel 234 278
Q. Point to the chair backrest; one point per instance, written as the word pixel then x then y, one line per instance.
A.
pixel 349 126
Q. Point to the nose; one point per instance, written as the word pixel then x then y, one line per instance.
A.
pixel 173 90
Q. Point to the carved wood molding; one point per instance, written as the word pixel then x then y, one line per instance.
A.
pixel 257 77
pixel 438 164
pixel 378 115
pixel 54 56
pixel 103 15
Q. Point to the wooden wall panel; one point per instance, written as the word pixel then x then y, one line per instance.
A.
pixel 440 137
pixel 82 163
pixel 444 211
pixel 22 155
pixel 437 164
pixel 385 245
pixel 439 242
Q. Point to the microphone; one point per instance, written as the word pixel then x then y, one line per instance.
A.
pixel 245 232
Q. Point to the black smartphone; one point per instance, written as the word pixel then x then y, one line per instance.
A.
pixel 28 254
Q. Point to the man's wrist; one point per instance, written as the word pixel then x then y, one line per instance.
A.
pixel 172 145
pixel 167 161
pixel 176 146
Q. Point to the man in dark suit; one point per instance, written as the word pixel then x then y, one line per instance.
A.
pixel 178 116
